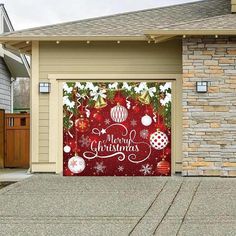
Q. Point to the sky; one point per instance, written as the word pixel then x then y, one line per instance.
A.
pixel 32 13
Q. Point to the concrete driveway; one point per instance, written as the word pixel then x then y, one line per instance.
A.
pixel 54 205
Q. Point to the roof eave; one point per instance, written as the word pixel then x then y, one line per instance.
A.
pixel 4 39
pixel 23 44
pixel 195 32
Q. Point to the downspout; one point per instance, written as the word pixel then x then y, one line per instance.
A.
pixel 12 94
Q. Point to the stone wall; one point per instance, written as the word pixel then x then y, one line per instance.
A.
pixel 209 125
pixel 5 87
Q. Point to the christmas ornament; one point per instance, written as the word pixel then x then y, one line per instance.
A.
pixel 158 140
pixel 98 116
pixel 82 124
pixel 119 113
pixel 145 98
pixel 146 120
pixel 100 103
pixel 163 167
pixel 76 164
pixel 67 149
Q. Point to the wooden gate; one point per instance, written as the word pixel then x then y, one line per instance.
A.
pixel 17 134
pixel 2 129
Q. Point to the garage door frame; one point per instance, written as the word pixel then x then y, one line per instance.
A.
pixel 56 111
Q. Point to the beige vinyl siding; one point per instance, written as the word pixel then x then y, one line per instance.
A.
pixel 233 4
pixel 101 58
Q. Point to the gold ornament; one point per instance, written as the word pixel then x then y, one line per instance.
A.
pixel 100 103
pixel 145 98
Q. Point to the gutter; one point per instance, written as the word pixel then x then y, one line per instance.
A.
pixel 195 32
pixel 4 39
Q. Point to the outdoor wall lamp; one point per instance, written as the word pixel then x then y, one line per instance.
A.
pixel 44 87
pixel 202 87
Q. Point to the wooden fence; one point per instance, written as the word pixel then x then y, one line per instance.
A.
pixel 17 140
pixel 2 135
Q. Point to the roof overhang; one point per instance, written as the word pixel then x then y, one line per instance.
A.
pixel 23 44
pixel 164 34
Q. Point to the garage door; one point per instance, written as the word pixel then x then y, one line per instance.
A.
pixel 117 129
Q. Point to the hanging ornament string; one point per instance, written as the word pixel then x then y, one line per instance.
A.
pixel 70 123
pixel 79 96
pixel 87 111
pixel 128 103
pixel 154 117
pixel 76 143
pixel 76 135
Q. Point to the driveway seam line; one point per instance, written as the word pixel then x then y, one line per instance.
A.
pixel 168 209
pixel 183 219
pixel 148 209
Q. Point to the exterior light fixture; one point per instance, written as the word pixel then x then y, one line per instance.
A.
pixel 44 87
pixel 57 42
pixel 216 36
pixel 202 87
pixel 88 42
pixel 27 42
pixel 118 42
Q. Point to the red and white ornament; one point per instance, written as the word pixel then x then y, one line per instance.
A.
pixel 76 164
pixel 163 167
pixel 67 149
pixel 158 140
pixel 146 120
pixel 82 124
pixel 119 113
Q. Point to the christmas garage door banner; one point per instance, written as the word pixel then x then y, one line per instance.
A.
pixel 117 129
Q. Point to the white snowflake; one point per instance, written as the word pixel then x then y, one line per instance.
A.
pixel 121 168
pixel 84 141
pixel 99 167
pixel 146 169
pixel 144 133
pixel 133 122
pixel 107 121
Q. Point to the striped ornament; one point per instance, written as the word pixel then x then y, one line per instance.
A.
pixel 119 113
pixel 163 167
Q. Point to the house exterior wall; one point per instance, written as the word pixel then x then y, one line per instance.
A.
pixel 95 58
pixel 209 119
pixel 233 4
pixel 5 87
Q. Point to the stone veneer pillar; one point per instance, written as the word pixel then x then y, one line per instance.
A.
pixel 209 119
